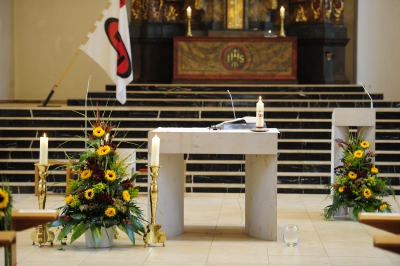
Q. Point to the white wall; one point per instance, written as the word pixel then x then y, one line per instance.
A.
pixel 378 52
pixel 6 50
pixel 47 36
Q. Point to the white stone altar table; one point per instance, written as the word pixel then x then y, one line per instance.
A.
pixel 260 149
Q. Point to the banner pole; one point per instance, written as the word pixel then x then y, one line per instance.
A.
pixel 60 79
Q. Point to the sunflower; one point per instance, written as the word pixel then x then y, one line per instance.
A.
pixel 382 207
pixel 69 199
pixel 110 175
pixel 374 170
pixel 126 195
pixel 89 194
pixel 86 174
pixel 358 154
pixel 364 144
pixel 110 212
pixel 4 199
pixel 98 132
pixel 367 193
pixel 341 189
pixel 103 150
pixel 352 175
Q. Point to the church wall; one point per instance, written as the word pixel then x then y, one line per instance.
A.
pixel 6 50
pixel 378 55
pixel 47 36
pixel 47 33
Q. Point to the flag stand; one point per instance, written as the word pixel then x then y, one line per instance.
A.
pixel 59 81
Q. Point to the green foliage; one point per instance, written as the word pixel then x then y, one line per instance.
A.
pixel 357 182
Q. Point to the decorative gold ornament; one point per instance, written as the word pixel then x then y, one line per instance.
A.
pixel 338 8
pixel 154 234
pixel 300 14
pixel 41 234
pixel 316 8
pixel 135 9
pixel 145 9
pixel 172 15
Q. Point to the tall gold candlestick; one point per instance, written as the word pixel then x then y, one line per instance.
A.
pixel 282 32
pixel 189 31
pixel 41 234
pixel 154 234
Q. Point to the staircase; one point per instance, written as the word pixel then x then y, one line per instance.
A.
pixel 302 113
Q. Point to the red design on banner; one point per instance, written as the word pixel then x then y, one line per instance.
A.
pixel 124 65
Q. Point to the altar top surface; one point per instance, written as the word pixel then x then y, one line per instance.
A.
pixel 208 130
pixel 208 141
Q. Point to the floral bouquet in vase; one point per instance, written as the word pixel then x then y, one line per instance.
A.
pixel 357 182
pixel 103 195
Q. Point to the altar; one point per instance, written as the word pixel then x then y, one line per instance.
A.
pixel 235 59
pixel 260 149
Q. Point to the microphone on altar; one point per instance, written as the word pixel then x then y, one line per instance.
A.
pixel 372 104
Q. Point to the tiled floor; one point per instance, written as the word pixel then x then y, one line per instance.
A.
pixel 214 235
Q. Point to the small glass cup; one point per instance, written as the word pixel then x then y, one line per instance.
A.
pixel 291 235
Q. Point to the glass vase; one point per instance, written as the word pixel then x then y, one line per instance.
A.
pixel 291 235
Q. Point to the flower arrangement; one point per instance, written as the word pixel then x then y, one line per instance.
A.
pixel 5 216
pixel 357 183
pixel 103 195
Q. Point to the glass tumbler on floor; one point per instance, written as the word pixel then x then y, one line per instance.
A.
pixel 291 235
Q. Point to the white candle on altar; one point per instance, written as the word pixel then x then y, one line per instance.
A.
pixel 155 151
pixel 282 12
pixel 260 114
pixel 44 143
pixel 189 11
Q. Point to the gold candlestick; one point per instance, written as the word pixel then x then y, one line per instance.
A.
pixel 154 234
pixel 189 31
pixel 282 32
pixel 41 234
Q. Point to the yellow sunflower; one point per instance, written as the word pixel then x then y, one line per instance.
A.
pixel 103 150
pixel 374 170
pixel 89 194
pixel 382 207
pixel 110 212
pixel 358 154
pixel 352 175
pixel 367 193
pixel 110 175
pixel 69 199
pixel 364 144
pixel 341 189
pixel 126 196
pixel 86 174
pixel 4 199
pixel 98 132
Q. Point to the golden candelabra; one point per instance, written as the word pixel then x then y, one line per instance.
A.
pixel 154 234
pixel 41 234
pixel 282 31
pixel 189 30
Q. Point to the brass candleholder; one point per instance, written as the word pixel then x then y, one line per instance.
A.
pixel 189 30
pixel 41 234
pixel 154 234
pixel 282 32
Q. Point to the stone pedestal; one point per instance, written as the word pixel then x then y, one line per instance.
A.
pixel 342 119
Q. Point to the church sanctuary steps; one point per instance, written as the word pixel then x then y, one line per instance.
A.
pixel 302 113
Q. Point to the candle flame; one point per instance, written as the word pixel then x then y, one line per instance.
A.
pixel 259 98
pixel 44 134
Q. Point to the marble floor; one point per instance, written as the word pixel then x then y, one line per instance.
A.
pixel 214 235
